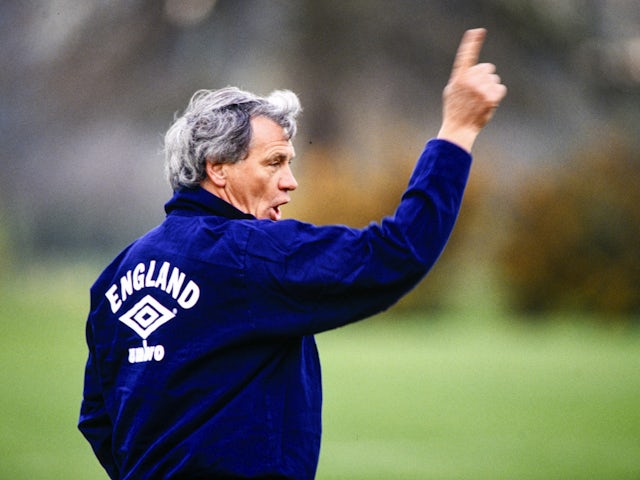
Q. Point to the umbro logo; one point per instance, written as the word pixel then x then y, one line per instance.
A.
pixel 146 316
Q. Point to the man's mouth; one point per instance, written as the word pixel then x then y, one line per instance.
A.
pixel 276 214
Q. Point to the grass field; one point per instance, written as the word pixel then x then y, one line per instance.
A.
pixel 456 396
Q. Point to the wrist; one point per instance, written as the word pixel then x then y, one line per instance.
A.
pixel 463 137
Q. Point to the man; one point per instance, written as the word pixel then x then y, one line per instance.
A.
pixel 202 361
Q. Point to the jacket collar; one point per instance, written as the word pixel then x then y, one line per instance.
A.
pixel 197 201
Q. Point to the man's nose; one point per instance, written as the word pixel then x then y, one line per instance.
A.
pixel 288 181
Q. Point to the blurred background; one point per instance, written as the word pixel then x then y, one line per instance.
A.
pixel 89 88
pixel 550 224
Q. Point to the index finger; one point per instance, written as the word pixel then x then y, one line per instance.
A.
pixel 469 50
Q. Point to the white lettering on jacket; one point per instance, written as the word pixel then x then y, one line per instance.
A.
pixel 146 353
pixel 167 278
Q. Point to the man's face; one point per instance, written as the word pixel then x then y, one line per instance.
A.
pixel 261 183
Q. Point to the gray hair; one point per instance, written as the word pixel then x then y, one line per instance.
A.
pixel 216 128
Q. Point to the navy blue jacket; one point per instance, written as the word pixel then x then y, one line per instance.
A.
pixel 202 361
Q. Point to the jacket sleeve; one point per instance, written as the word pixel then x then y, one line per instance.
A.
pixel 95 423
pixel 320 278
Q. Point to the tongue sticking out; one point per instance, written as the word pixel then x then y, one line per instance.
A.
pixel 275 213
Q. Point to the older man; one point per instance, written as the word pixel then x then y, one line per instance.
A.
pixel 202 361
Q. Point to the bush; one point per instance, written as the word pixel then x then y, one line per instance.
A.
pixel 575 236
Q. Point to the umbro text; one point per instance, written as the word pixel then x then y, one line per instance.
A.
pixel 146 353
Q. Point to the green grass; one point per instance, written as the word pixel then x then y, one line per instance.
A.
pixel 42 351
pixel 457 396
pixel 458 400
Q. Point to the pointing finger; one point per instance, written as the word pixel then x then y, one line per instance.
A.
pixel 468 51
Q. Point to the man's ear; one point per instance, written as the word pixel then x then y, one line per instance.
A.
pixel 217 174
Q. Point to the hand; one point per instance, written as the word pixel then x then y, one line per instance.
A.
pixel 472 94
